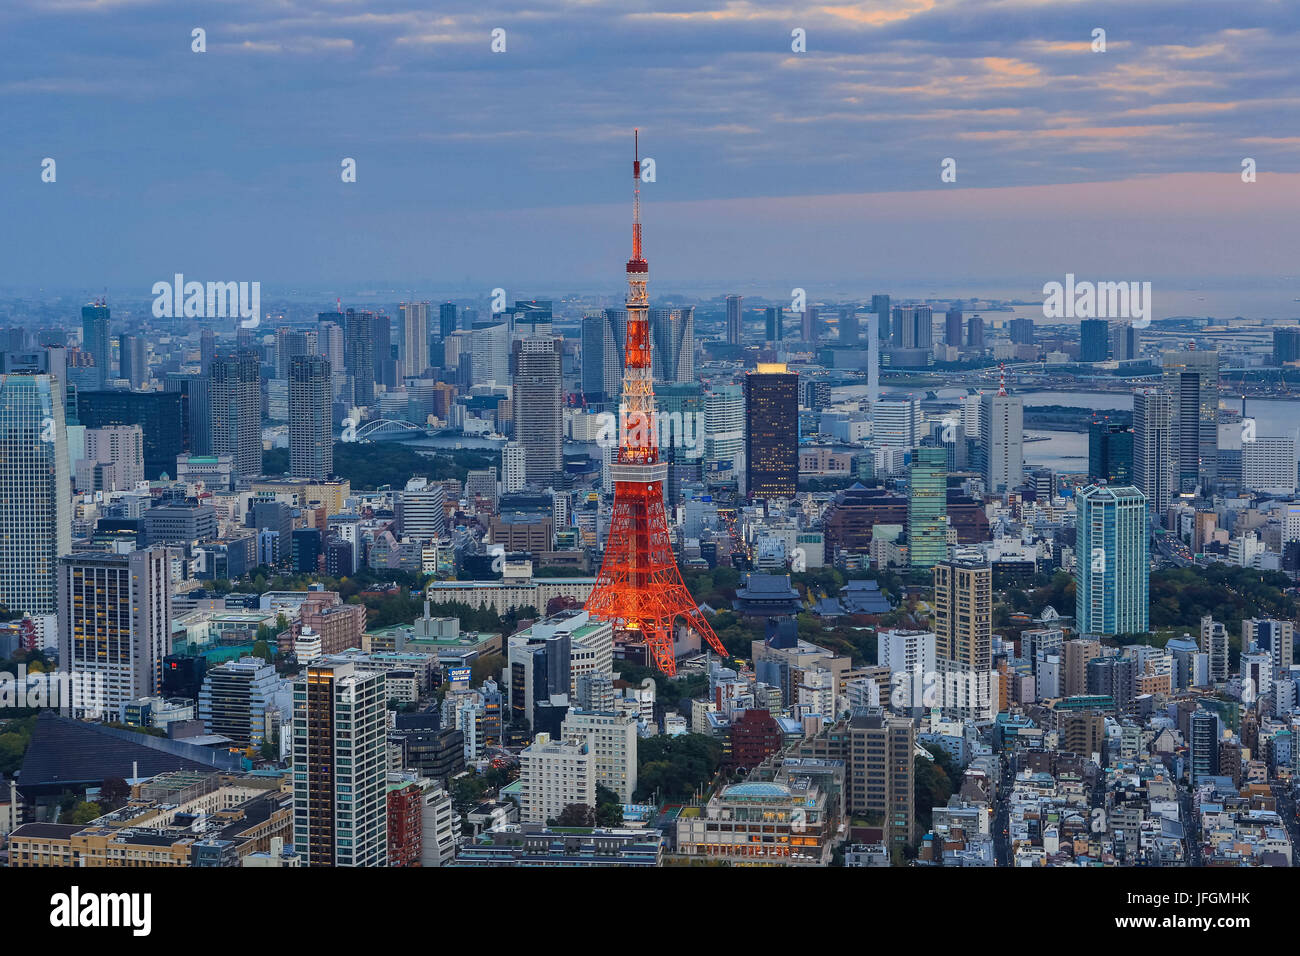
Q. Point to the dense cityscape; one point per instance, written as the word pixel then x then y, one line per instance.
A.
pixel 378 587
pixel 755 513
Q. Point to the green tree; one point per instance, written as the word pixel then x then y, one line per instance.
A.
pixel 936 781
pixel 83 813
pixel 677 766
pixel 489 665
pixel 609 808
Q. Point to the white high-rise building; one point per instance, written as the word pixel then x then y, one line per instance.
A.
pixel 724 432
pixel 1273 637
pixel 437 818
pixel 114 627
pixel 970 416
pixel 591 652
pixel 1268 466
pixel 35 492
pixel 896 423
pixel 1154 468
pixel 561 511
pixel 513 468
pixel 421 510
pixel 910 657
pixel 1214 644
pixel 611 738
pixel 414 321
pixel 555 774
pixel 114 459
pixel 490 355
pixel 1002 437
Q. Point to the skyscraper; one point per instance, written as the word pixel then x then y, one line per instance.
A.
pixel 927 508
pixel 963 613
pixel 681 446
pixel 514 468
pixel 1002 436
pixel 414 318
pixel 311 426
pixel 1154 465
pixel 160 415
pixel 236 390
pixel 734 303
pixel 975 333
pixel 446 319
pixel 207 349
pixel 880 306
pixel 613 341
pixel 1124 342
pixel 1191 378
pixel 115 625
pixel 775 323
pixel 131 360
pixel 35 492
pixel 1110 453
pixel 1094 340
pixel 340 752
pixel 896 423
pixel 913 327
pixel 1203 745
pixel 952 327
pixel 593 357
pixel 94 339
pixel 359 354
pixel 1021 331
pixel 724 431
pixel 771 432
pixel 673 332
pixel 1286 344
pixel 923 327
pixel 490 353
pixel 385 367
pixel 810 324
pixel 289 343
pixel 196 409
pixel 539 424
pixel 1213 644
pixel 1114 563
pixel 963 633
pixel 848 334
pixel 235 698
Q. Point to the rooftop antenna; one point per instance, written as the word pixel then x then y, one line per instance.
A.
pixel 1002 379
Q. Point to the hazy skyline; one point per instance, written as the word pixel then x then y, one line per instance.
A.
pixel 774 169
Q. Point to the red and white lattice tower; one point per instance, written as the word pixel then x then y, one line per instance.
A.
pixel 639 587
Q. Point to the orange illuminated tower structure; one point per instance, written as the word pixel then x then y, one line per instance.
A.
pixel 639 587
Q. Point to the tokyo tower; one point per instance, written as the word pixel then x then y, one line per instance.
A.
pixel 639 587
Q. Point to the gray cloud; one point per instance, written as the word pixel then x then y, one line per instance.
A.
pixel 233 155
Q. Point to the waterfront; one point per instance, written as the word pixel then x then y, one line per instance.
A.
pixel 1067 452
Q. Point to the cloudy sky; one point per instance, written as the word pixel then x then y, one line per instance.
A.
pixel 773 168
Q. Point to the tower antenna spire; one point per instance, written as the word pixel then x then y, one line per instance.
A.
pixel 636 195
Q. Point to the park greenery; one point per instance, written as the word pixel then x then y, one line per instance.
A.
pixel 674 768
pixel 372 465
